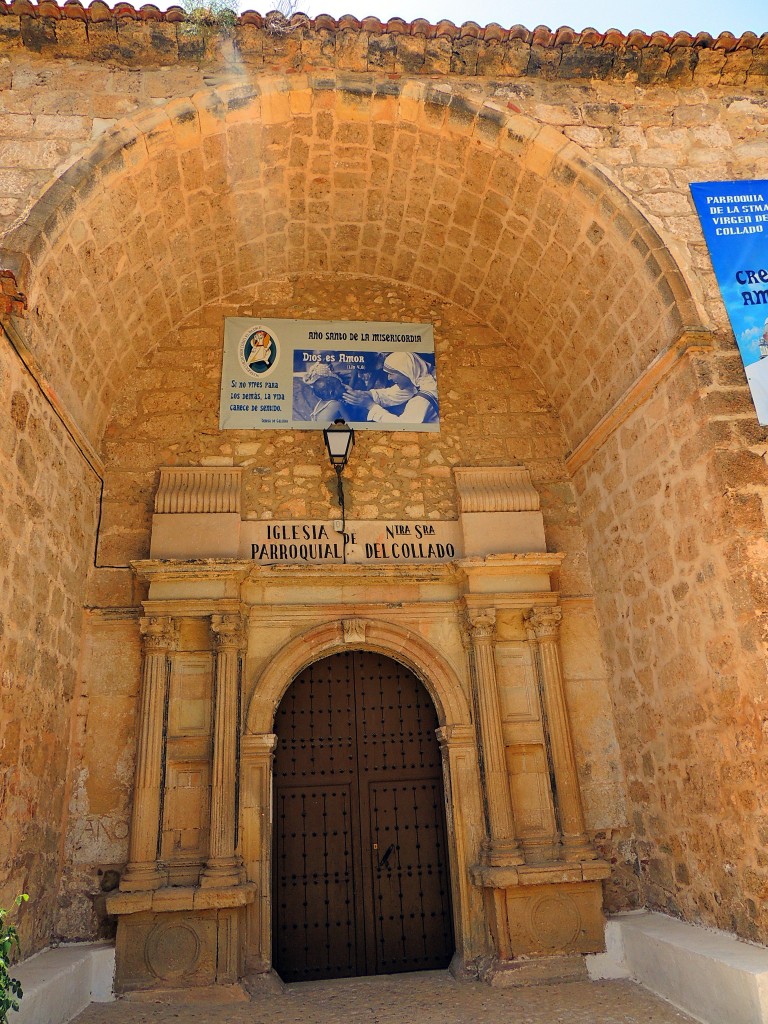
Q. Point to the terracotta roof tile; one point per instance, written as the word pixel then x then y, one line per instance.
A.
pixel 520 32
pixel 682 39
pixel 726 41
pixel 421 27
pixel 149 12
pixel 748 41
pixel 125 10
pixel 20 7
pixel 638 39
pixel 99 11
pixel 565 35
pixel 446 28
pixel 591 37
pixel 541 36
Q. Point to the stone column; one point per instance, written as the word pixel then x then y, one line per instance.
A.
pixel 160 638
pixel 502 848
pixel 224 867
pixel 543 626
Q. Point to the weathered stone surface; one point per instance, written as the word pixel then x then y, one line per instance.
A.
pixel 48 508
pixel 492 202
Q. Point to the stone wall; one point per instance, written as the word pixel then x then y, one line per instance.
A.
pixel 167 413
pixel 48 507
pixel 538 191
pixel 101 766
pixel 670 501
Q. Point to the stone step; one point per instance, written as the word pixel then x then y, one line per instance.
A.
pixel 59 983
pixel 711 975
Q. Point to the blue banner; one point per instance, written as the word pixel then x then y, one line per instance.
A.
pixel 734 218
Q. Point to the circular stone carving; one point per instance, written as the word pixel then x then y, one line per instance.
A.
pixel 555 922
pixel 172 951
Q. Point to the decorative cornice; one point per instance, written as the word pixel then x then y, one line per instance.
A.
pixel 176 898
pixel 198 489
pixel 237 571
pixel 480 50
pixel 527 563
pixel 495 489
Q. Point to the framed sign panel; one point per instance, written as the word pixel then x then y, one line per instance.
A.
pixel 304 374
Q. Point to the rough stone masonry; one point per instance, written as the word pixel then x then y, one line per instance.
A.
pixel 527 194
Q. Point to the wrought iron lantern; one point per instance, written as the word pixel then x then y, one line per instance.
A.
pixel 339 440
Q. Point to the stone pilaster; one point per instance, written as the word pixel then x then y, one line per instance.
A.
pixel 160 638
pixel 543 627
pixel 502 847
pixel 256 757
pixel 224 866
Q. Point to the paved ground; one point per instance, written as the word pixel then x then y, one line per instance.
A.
pixel 428 998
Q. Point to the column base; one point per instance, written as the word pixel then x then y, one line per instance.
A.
pixel 142 878
pixel 219 874
pixel 502 853
pixel 578 848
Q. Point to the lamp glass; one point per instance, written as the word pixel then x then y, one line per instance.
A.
pixel 339 439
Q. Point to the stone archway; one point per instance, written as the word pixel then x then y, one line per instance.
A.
pixel 460 769
pixel 404 645
pixel 514 221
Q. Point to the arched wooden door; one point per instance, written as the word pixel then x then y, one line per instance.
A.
pixel 360 861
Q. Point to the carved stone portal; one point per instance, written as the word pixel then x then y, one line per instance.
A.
pixel 223 640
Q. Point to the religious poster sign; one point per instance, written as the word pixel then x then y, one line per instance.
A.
pixel 734 218
pixel 304 374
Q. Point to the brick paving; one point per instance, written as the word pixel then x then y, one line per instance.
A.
pixel 429 998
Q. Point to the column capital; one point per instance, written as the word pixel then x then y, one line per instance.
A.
pixel 257 745
pixel 480 624
pixel 454 737
pixel 543 623
pixel 159 633
pixel 228 631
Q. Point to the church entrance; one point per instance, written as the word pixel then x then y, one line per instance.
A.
pixel 360 859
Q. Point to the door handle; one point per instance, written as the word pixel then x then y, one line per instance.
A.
pixel 386 855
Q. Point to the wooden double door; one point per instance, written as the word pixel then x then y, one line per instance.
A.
pixel 360 861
